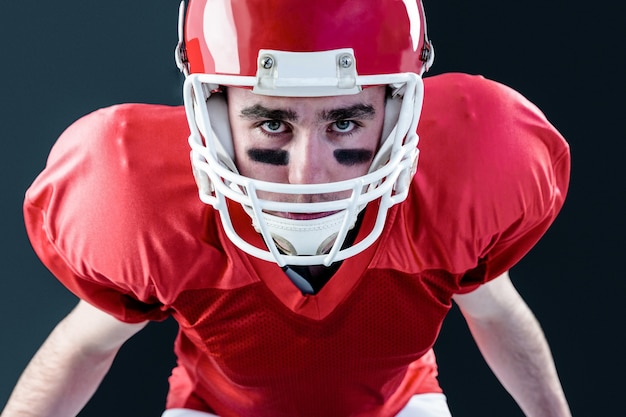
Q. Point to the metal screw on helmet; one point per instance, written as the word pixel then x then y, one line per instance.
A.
pixel 345 61
pixel 267 62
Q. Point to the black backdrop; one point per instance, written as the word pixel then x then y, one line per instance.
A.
pixel 64 59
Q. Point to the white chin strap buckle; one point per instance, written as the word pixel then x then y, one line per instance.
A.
pixel 304 237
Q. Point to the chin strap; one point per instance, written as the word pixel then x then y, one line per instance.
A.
pixel 299 281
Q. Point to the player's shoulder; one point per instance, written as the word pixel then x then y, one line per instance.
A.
pixel 128 119
pixel 101 132
pixel 118 197
pixel 460 86
pixel 489 160
pixel 458 99
pixel 470 116
pixel 135 112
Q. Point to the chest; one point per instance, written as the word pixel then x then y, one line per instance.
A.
pixel 385 322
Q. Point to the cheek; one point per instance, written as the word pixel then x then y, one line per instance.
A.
pixel 243 163
pixel 355 171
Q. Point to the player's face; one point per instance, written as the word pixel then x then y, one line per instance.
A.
pixel 299 140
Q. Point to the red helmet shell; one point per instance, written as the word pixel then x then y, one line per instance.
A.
pixel 225 36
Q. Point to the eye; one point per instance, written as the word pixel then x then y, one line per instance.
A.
pixel 273 126
pixel 343 126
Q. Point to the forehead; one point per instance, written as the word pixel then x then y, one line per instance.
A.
pixel 239 98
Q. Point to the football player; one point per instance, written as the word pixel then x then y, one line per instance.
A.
pixel 339 203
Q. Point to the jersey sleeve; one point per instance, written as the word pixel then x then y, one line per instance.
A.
pixel 88 213
pixel 120 302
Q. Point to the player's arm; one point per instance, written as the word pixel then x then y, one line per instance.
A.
pixel 513 344
pixel 69 366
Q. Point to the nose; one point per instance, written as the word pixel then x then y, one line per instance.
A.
pixel 309 159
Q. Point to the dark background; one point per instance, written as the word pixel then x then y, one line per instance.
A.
pixel 62 60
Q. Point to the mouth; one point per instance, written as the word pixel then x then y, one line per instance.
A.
pixel 303 216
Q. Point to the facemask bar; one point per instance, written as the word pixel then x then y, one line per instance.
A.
pixel 219 180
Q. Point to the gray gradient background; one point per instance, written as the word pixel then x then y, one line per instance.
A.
pixel 62 60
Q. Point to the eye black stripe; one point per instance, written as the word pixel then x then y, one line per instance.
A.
pixel 353 156
pixel 269 156
pixel 280 157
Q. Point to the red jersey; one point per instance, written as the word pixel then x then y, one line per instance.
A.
pixel 116 217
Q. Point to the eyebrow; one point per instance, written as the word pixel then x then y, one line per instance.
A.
pixel 258 111
pixel 356 111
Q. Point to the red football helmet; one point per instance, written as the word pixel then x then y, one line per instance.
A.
pixel 303 49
